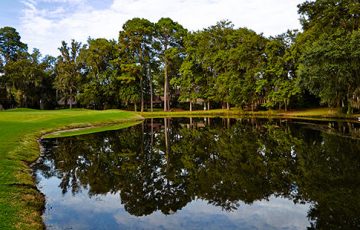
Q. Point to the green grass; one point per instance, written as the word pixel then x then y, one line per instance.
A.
pixel 211 113
pixel 316 113
pixel 20 202
pixel 87 130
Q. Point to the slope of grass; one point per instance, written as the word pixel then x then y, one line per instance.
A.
pixel 87 130
pixel 20 202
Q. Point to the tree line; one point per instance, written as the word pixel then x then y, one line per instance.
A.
pixel 162 64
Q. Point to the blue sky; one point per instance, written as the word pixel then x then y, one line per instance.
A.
pixel 44 24
pixel 10 12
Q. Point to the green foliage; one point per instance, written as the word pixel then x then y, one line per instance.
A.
pixel 11 46
pixel 330 51
pixel 68 75
pixel 189 82
pixel 136 43
pixel 169 38
pixel 225 64
pixel 220 65
pixel 29 80
pixel 97 87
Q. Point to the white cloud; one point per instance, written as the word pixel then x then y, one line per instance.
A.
pixel 61 1
pixel 45 27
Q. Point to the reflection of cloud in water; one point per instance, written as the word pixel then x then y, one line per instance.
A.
pixel 83 212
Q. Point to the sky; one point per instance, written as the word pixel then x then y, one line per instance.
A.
pixel 43 24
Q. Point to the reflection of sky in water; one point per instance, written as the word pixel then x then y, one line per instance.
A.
pixel 107 212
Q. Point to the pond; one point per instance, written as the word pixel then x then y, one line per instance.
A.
pixel 205 173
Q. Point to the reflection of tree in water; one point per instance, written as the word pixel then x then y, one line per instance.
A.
pixel 243 163
pixel 165 164
pixel 331 178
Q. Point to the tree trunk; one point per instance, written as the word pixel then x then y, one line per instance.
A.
pixel 348 99
pixel 25 104
pixel 349 109
pixel 70 106
pixel 168 100
pixel 227 106
pixel 151 89
pixel 208 107
pixel 142 94
pixel 142 80
pixel 190 105
pixel 166 89
pixel 135 107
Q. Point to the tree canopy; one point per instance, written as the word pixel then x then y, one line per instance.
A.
pixel 163 64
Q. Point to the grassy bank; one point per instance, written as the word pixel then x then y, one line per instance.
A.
pixel 20 202
pixel 318 113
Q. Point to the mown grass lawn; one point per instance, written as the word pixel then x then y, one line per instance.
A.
pixel 20 202
pixel 317 113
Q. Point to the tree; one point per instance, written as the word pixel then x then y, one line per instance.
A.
pixel 281 81
pixel 97 60
pixel 47 91
pixel 29 80
pixel 169 35
pixel 10 44
pixel 130 91
pixel 232 59
pixel 136 41
pixel 11 48
pixel 330 43
pixel 243 66
pixel 188 82
pixel 68 73
pixel 213 48
pixel 193 80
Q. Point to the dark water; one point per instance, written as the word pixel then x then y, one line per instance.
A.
pixel 205 174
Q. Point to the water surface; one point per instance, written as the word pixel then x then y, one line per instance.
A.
pixel 205 174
